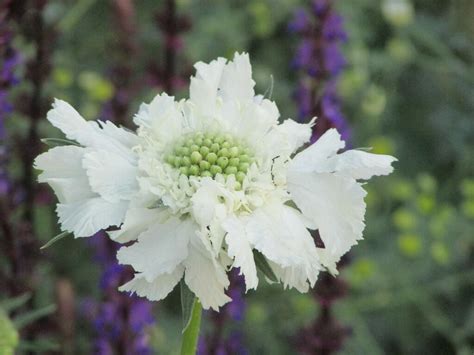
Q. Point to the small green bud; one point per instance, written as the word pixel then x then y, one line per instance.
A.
pixel 231 170
pixel 204 165
pixel 244 158
pixel 184 170
pixel 194 148
pixel 211 158
pixel 234 161
pixel 207 142
pixel 240 176
pixel 196 157
pixel 186 161
pixel 234 151
pixel 177 162
pixel 219 139
pixel 224 152
pixel 238 186
pixel 223 162
pixel 193 170
pixel 204 151
pixel 225 144
pixel 215 169
pixel 206 173
pixel 170 159
pixel 215 147
pixel 244 167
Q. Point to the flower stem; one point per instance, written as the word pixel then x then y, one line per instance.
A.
pixel 191 334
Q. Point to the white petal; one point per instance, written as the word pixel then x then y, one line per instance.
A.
pixel 71 123
pixel 334 203
pixel 90 133
pixel 284 139
pixel 86 217
pixel 236 82
pixel 205 277
pixel 316 154
pixel 62 169
pixel 110 175
pixel 280 234
pixel 359 164
pixel 137 220
pixel 122 135
pixel 162 117
pixel 159 249
pixel 157 289
pixel 291 276
pixel 204 85
pixel 210 202
pixel 239 248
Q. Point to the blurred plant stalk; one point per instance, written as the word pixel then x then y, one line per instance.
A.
pixel 320 61
pixel 19 197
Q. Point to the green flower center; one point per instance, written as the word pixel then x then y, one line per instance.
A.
pixel 199 154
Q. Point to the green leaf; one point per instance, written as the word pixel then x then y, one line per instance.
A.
pixel 30 317
pixel 39 346
pixel 55 142
pixel 187 303
pixel 9 335
pixel 11 304
pixel 191 333
pixel 55 239
pixel 262 264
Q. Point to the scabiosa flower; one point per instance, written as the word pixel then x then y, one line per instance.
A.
pixel 206 181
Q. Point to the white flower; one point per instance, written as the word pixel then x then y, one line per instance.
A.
pixel 207 181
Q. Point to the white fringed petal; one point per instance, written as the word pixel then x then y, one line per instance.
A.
pixel 137 220
pixel 334 203
pixel 160 249
pixel 86 217
pixel 239 248
pixel 203 90
pixel 359 164
pixel 154 290
pixel 279 232
pixel 205 276
pixel 236 82
pixel 62 169
pixel 110 175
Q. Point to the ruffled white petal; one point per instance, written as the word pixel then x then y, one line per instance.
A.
pixel 284 139
pixel 89 133
pixel 86 217
pixel 359 164
pixel 110 175
pixel 160 249
pixel 316 154
pixel 71 123
pixel 205 276
pixel 137 220
pixel 63 171
pixel 157 289
pixel 203 90
pixel 334 203
pixel 239 248
pixel 161 118
pixel 291 276
pixel 236 82
pixel 278 231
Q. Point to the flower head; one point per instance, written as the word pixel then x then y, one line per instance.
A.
pixel 206 181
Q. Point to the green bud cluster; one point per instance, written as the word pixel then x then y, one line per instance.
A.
pixel 204 155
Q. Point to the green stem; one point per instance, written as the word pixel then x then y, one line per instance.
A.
pixel 191 333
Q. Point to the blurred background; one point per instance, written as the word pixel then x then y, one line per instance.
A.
pixel 394 75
